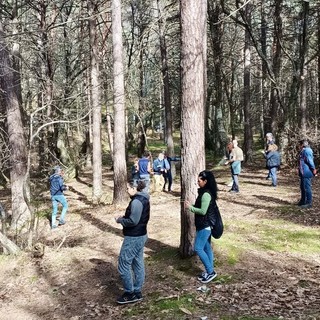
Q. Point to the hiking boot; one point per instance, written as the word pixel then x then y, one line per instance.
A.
pixel 138 295
pixel 61 223
pixel 127 297
pixel 208 277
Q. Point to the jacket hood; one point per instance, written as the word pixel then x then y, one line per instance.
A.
pixel 143 194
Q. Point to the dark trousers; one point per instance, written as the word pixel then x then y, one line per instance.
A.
pixel 167 179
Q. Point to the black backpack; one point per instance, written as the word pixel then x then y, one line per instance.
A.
pixel 215 222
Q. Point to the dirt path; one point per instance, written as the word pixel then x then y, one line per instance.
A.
pixel 77 277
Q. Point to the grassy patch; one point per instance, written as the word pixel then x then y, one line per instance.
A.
pixel 274 235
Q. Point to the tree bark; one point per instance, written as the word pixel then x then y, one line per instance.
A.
pixel 248 136
pixel 96 105
pixel 17 141
pixel 119 164
pixel 193 81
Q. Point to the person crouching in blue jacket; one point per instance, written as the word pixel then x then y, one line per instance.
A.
pixel 307 171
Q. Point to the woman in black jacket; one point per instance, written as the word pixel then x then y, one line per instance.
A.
pixel 204 205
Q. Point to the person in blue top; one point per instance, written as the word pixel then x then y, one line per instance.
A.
pixel 144 167
pixel 168 173
pixel 273 162
pixel 307 171
pixel 57 187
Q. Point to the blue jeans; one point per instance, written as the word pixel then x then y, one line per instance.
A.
pixel 306 190
pixel 273 175
pixel 202 247
pixel 59 198
pixel 131 263
pixel 235 182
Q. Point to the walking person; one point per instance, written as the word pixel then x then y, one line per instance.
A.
pixel 57 187
pixel 131 262
pixel 273 162
pixel 204 205
pixel 235 159
pixel 307 171
pixel 145 169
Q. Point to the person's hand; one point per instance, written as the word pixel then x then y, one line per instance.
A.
pixel 117 219
pixel 226 163
pixel 314 172
pixel 187 204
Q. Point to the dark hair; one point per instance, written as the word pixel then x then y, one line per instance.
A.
pixel 141 185
pixel 304 142
pixel 211 184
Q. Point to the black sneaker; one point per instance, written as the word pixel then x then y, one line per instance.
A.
pixel 201 276
pixel 127 297
pixel 138 295
pixel 208 277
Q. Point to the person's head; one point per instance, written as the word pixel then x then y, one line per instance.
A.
pixel 229 146
pixel 132 190
pixel 269 136
pixel 234 143
pixel 146 154
pixel 57 170
pixel 161 156
pixel 206 180
pixel 272 147
pixel 303 143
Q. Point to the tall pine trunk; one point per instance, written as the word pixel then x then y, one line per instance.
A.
pixel 193 81
pixel 119 163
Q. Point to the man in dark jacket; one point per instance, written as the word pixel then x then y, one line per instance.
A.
pixel 307 171
pixel 131 262
pixel 57 187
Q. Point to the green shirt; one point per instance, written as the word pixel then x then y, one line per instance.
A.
pixel 205 203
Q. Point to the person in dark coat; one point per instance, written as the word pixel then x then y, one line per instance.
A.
pixel 131 261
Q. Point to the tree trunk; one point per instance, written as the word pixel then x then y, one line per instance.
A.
pixel 248 136
pixel 193 81
pixel 17 141
pixel 96 106
pixel 303 68
pixel 119 163
pixel 165 81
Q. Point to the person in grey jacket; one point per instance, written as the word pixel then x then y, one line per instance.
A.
pixel 273 162
pixel 131 262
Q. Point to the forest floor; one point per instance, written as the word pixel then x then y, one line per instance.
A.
pixel 268 259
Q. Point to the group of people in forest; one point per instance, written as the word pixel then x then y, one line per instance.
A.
pixel 135 219
pixel 159 169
